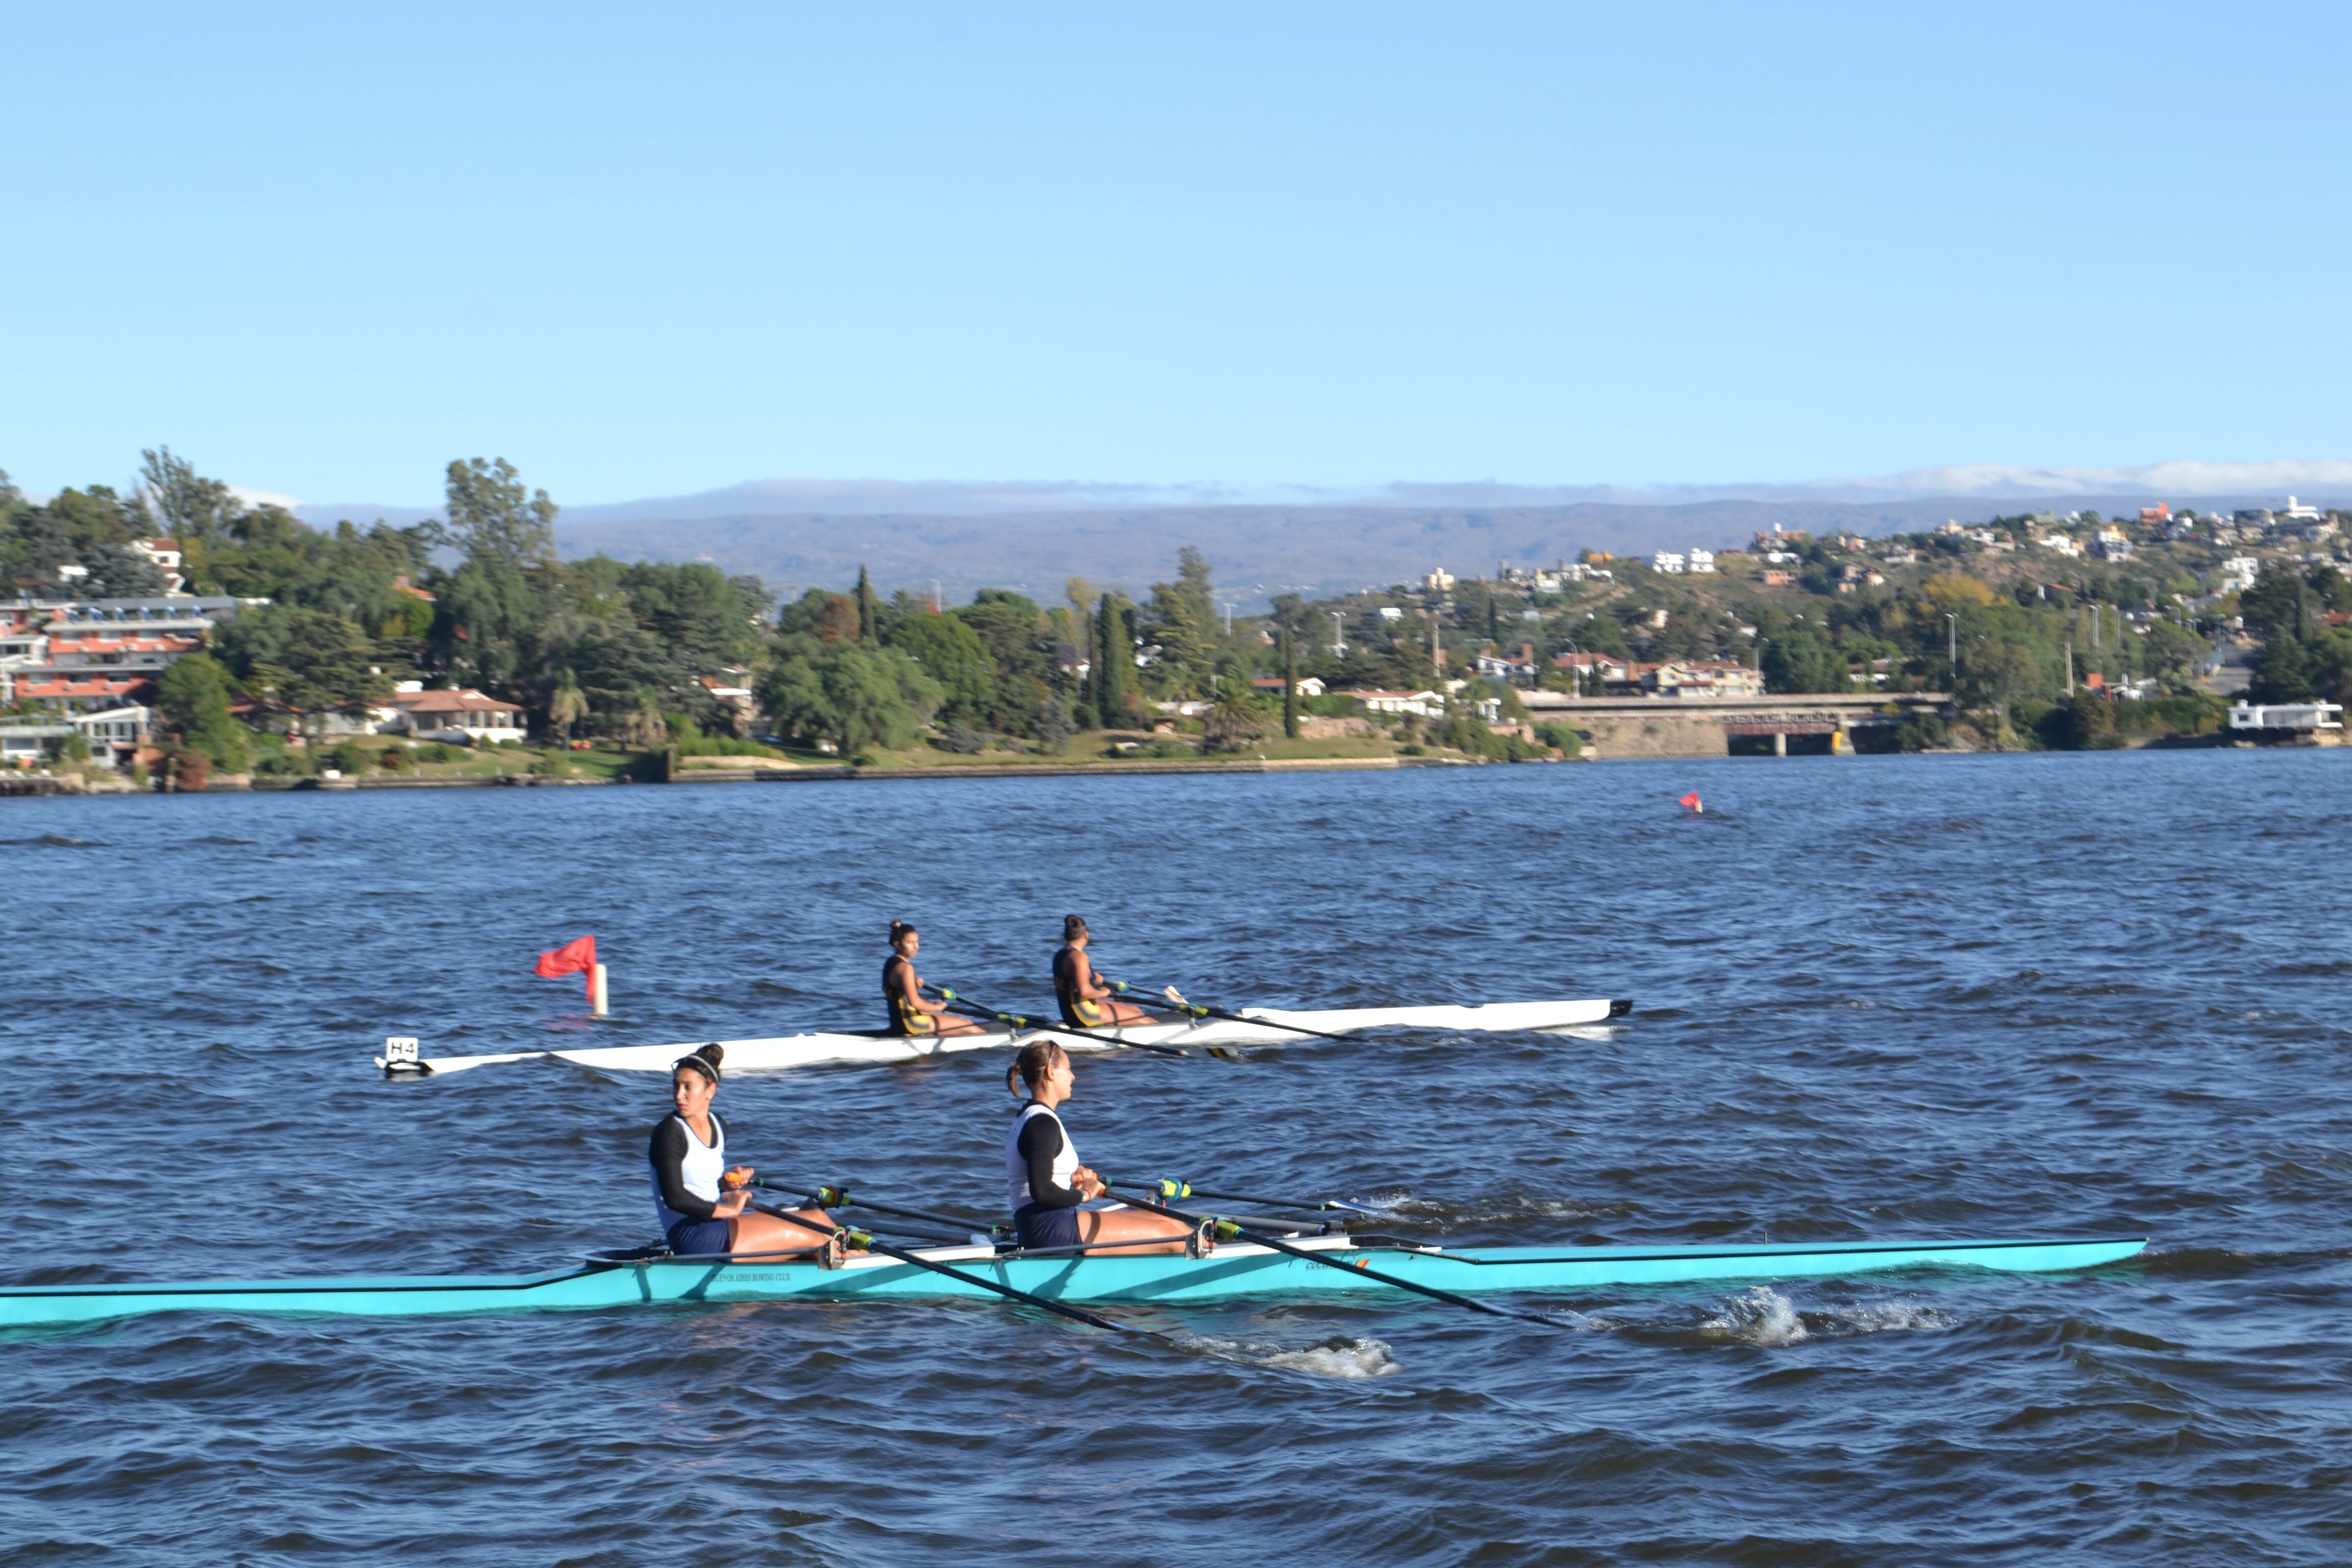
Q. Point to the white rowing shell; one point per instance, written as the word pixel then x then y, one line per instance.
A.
pixel 827 1050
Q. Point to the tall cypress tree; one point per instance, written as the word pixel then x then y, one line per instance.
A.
pixel 1290 685
pixel 1114 661
pixel 869 610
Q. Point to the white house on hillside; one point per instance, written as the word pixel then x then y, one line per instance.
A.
pixel 452 716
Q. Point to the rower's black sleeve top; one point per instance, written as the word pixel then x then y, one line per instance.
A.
pixel 667 1152
pixel 1041 1140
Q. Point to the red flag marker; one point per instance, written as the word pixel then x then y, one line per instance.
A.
pixel 1689 803
pixel 576 957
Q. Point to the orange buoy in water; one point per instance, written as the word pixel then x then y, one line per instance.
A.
pixel 1690 802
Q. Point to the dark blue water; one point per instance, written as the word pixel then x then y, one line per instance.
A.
pixel 1878 997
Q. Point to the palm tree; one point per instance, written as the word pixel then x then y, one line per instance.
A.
pixel 646 727
pixel 1237 715
pixel 568 706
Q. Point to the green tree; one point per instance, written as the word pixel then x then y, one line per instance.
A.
pixel 1236 718
pixel 951 654
pixel 2281 671
pixel 851 695
pixel 567 705
pixel 312 660
pixel 186 505
pixel 119 572
pixel 2171 652
pixel 1014 632
pixel 828 616
pixel 869 611
pixel 2331 665
pixel 2091 724
pixel 193 696
pixel 2280 603
pixel 646 725
pixel 1996 674
pixel 1112 672
pixel 708 621
pixel 1797 661
pixel 488 614
pixel 494 521
pixel 1183 618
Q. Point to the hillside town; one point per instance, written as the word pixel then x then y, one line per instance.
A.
pixel 174 637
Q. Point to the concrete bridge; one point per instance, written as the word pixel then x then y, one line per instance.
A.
pixel 1720 726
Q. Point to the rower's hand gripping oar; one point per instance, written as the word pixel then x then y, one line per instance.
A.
pixel 1226 1230
pixel 1176 1002
pixel 972 1009
pixel 845 1235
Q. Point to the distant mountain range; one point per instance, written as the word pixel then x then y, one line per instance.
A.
pixel 797 535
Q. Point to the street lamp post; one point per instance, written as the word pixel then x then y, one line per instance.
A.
pixel 1952 650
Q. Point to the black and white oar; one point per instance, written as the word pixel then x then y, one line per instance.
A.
pixel 1227 1230
pixel 972 1009
pixel 1167 1189
pixel 850 1238
pixel 1177 1004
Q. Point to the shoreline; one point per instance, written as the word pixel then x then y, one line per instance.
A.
pixel 50 788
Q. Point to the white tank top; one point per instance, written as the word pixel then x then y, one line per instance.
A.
pixel 699 1172
pixel 1016 1169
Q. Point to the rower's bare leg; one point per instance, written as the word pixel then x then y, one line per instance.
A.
pixel 1096 1226
pixel 1117 1015
pixel 757 1232
pixel 945 1024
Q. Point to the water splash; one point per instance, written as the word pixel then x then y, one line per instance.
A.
pixel 1339 1356
pixel 1763 1316
pixel 1758 1316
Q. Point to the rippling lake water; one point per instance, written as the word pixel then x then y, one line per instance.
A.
pixel 1875 998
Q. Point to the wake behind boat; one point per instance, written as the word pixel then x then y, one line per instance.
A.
pixel 1231 1272
pixel 1252 1027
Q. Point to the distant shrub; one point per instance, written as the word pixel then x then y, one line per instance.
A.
pixel 1919 732
pixel 962 742
pixel 1565 736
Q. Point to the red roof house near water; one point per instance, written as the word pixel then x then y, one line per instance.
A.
pixel 446 715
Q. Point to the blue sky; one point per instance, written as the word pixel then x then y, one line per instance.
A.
pixel 324 249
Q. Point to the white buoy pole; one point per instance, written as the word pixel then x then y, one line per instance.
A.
pixel 603 997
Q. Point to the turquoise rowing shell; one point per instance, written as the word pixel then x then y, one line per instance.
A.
pixel 1233 1272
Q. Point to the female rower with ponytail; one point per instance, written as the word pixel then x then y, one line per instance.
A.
pixel 701 1201
pixel 1046 1183
pixel 902 988
pixel 1086 1001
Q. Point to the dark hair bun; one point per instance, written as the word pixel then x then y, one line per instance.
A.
pixel 897 930
pixel 704 1059
pixel 1073 926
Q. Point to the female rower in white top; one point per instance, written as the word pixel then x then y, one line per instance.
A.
pixel 1046 1183
pixel 702 1203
